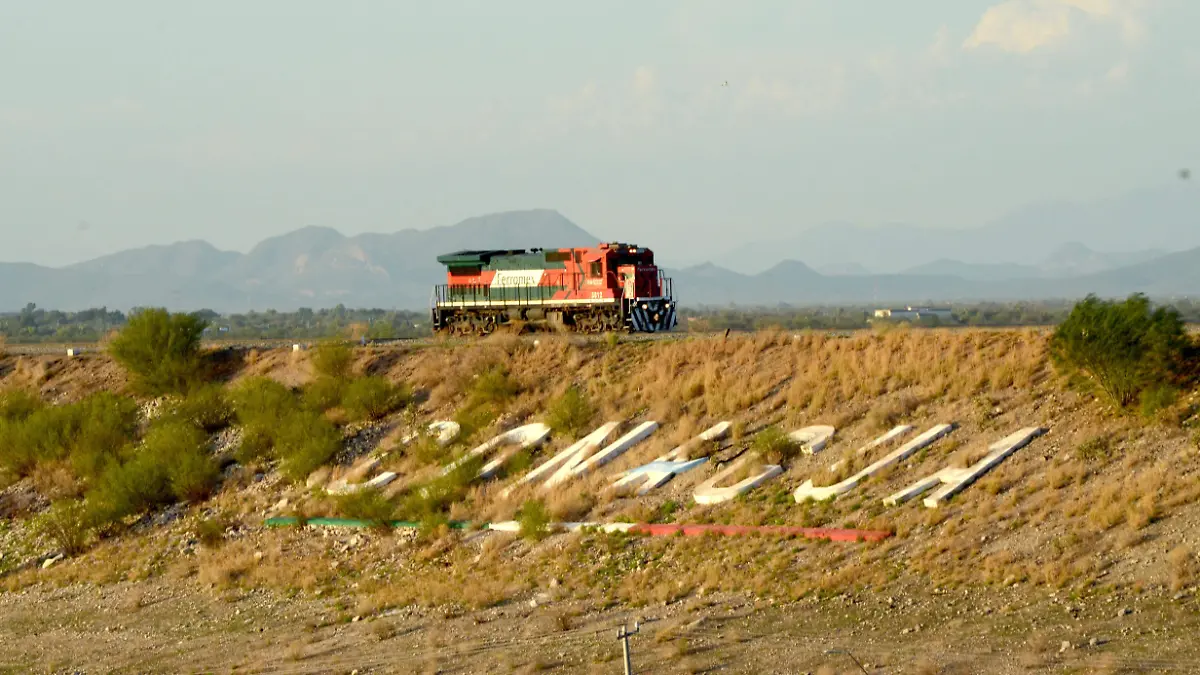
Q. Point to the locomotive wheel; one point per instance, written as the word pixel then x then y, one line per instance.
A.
pixel 580 321
pixel 612 321
pixel 485 324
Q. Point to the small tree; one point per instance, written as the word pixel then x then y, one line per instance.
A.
pixel 161 350
pixel 333 359
pixel 534 519
pixel 1122 347
pixel 66 524
pixel 374 397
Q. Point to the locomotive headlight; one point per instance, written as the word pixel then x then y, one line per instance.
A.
pixel 645 306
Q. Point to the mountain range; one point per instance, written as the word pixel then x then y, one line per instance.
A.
pixel 1150 222
pixel 319 267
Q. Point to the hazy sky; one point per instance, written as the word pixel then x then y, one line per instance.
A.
pixel 127 123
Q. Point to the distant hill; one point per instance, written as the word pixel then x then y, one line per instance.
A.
pixel 1161 219
pixel 850 269
pixel 1169 276
pixel 310 267
pixel 1072 259
pixel 320 267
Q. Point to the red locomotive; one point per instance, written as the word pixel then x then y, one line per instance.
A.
pixel 609 287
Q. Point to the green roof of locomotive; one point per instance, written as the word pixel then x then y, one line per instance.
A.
pixel 514 259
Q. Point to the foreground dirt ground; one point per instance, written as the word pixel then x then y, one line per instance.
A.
pixel 159 626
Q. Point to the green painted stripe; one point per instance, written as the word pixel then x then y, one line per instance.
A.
pixel 290 521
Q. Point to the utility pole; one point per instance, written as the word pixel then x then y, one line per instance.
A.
pixel 623 635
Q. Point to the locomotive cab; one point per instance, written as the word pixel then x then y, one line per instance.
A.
pixel 646 298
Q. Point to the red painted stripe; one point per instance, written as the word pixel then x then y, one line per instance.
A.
pixel 829 533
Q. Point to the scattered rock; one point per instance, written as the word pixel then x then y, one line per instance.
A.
pixel 224 442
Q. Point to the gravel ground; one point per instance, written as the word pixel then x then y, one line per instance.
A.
pixel 162 626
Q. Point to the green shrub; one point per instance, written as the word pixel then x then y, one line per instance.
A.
pixel 367 505
pixel 304 441
pixel 18 404
pixel 429 502
pixel 172 463
pixel 193 476
pixel 570 413
pixel 333 359
pixel 88 434
pixel 323 393
pixel 206 407
pixel 534 519
pixel 1156 398
pixel 371 398
pixel 258 442
pixel 172 438
pixel 161 350
pixel 107 424
pixel 493 387
pixel 125 489
pixel 666 511
pixel 1096 449
pixel 520 462
pixel 260 400
pixel 66 523
pixel 473 419
pixel 210 531
pixel 1121 347
pixel 426 449
pixel 774 446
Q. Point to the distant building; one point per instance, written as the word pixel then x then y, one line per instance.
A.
pixel 942 314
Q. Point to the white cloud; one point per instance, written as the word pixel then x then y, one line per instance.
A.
pixel 939 49
pixel 1023 26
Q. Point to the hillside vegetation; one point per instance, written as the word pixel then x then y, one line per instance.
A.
pixel 1104 503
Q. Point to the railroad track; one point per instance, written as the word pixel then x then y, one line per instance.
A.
pixel 277 343
pixel 391 343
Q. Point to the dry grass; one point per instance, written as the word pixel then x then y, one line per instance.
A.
pixel 279 565
pixel 1060 513
pixel 1183 567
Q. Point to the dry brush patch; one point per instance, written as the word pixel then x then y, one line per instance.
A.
pixel 1063 512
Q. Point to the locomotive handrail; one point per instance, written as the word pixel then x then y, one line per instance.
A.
pixel 519 293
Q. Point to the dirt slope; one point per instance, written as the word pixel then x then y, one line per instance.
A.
pixel 1097 516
